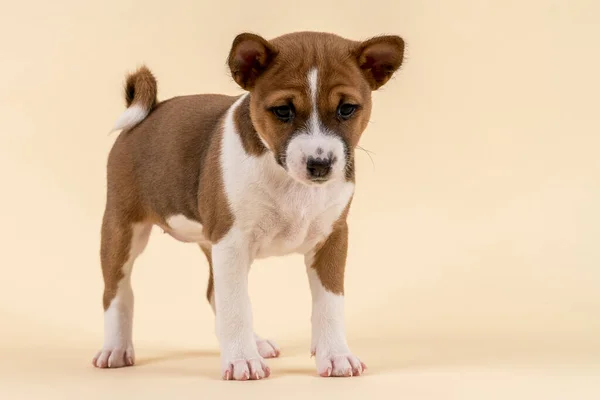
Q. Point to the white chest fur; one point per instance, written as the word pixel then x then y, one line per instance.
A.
pixel 277 214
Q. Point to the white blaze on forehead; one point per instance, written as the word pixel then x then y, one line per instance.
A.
pixel 313 77
pixel 313 85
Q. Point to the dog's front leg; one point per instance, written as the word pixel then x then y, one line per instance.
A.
pixel 325 267
pixel 240 359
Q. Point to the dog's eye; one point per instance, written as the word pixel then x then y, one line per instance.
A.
pixel 283 113
pixel 346 110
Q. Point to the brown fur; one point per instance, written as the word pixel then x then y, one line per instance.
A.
pixel 243 123
pixel 114 251
pixel 330 256
pixel 141 88
pixel 249 57
pixel 379 58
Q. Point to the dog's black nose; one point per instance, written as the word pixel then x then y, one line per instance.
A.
pixel 318 167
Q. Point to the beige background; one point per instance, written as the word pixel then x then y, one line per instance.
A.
pixel 474 267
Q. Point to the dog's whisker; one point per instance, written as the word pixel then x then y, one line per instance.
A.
pixel 368 153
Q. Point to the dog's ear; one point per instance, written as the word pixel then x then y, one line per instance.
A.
pixel 379 58
pixel 249 57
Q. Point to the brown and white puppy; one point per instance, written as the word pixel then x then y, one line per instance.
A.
pixel 268 173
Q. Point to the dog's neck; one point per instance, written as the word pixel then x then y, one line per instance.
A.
pixel 251 141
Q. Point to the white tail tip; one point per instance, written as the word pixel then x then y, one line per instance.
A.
pixel 131 117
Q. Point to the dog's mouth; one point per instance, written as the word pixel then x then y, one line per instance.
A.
pixel 319 181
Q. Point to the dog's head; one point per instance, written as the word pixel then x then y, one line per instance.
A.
pixel 310 96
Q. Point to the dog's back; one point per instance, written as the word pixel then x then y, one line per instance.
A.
pixel 177 135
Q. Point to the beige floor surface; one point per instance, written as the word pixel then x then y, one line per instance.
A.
pixel 419 371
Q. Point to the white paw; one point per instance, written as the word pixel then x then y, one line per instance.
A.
pixel 114 358
pixel 343 365
pixel 243 370
pixel 267 348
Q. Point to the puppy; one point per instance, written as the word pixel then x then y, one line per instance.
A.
pixel 267 173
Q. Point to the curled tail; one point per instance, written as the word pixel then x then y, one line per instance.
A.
pixel 140 97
